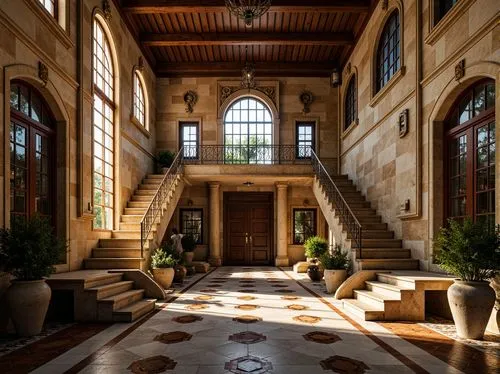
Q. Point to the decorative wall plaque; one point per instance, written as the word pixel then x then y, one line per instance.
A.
pixel 106 8
pixel 403 123
pixel 190 99
pixel 460 69
pixel 306 98
pixel 43 72
pixel 227 91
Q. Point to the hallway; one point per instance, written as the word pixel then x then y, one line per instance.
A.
pixel 259 320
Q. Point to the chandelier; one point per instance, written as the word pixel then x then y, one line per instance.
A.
pixel 248 10
pixel 248 73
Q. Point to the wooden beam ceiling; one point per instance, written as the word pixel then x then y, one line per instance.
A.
pixel 208 6
pixel 246 38
pixel 232 69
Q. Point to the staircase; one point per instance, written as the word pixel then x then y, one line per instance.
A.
pixel 379 249
pixel 123 249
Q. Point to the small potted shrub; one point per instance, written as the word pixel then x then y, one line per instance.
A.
pixel 470 251
pixel 163 265
pixel 315 247
pixel 165 160
pixel 30 249
pixel 188 245
pixel 336 265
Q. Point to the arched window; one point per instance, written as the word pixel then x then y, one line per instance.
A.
pixel 388 52
pixel 103 130
pixel 139 100
pixel 32 153
pixel 470 155
pixel 350 103
pixel 248 132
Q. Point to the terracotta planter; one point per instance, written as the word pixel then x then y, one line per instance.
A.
pixel 28 302
pixel 164 276
pixel 471 304
pixel 180 273
pixel 188 258
pixel 315 273
pixel 334 278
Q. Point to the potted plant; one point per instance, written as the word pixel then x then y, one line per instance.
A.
pixel 336 265
pixel 163 265
pixel 165 160
pixel 315 246
pixel 30 250
pixel 471 251
pixel 188 245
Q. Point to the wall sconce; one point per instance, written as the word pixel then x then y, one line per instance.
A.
pixel 335 77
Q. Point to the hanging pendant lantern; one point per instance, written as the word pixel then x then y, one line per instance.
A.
pixel 248 10
pixel 248 73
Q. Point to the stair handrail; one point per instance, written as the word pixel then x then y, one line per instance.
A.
pixel 159 198
pixel 333 193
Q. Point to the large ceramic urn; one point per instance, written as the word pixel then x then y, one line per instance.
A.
pixel 471 304
pixel 334 278
pixel 164 277
pixel 28 302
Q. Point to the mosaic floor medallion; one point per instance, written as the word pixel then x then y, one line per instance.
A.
pixel 284 291
pixel 173 337
pixel 208 290
pixel 307 319
pixel 247 307
pixel 275 281
pixel 247 285
pixel 247 281
pixel 247 337
pixel 297 307
pixel 279 285
pixel 247 298
pixel 248 364
pixel 204 298
pixel 152 365
pixel 247 319
pixel 290 298
pixel 247 291
pixel 190 318
pixel 321 337
pixel 218 279
pixel 341 364
pixel 197 306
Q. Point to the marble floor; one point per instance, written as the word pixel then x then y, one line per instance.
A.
pixel 259 320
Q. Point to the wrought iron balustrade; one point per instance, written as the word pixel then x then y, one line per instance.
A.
pixel 247 154
pixel 156 205
pixel 333 194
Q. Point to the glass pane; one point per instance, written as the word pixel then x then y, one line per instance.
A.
pixel 14 96
pixel 490 95
pixel 479 99
pixel 24 100
pixel 464 110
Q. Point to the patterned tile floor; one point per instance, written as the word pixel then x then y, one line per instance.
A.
pixel 219 324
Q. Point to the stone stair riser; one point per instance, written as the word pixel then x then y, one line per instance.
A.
pixel 384 253
pixel 116 253
pixel 112 289
pixel 120 243
pixel 102 281
pixel 383 264
pixel 112 263
pixel 395 281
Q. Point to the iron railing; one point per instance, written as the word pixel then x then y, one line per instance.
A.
pixel 247 154
pixel 333 194
pixel 159 199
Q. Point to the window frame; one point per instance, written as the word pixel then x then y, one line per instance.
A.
pixel 436 11
pixel 55 15
pixel 312 125
pixel 385 37
pixel 139 82
pixel 315 220
pixel 196 125
pixel 352 83
pixel 181 222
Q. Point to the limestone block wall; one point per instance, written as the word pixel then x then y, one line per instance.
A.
pixel 390 169
pixel 28 36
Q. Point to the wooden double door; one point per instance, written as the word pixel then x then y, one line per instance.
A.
pixel 248 228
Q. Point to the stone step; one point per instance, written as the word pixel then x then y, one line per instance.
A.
pixel 148 187
pixel 377 234
pixel 116 252
pixel 131 218
pixel 113 263
pixel 359 204
pixel 339 177
pixel 126 234
pixel 133 226
pixel 382 243
pixel 111 289
pixel 386 289
pixel 103 279
pixel 141 198
pixel 395 280
pixel 372 226
pixel 363 212
pixel 155 181
pixel 134 211
pixel 123 299
pixel 377 300
pixel 155 176
pixel 369 219
pixel 139 204
pixel 134 311
pixel 120 243
pixel 364 311
pixel 149 193
pixel 388 253
pixel 387 264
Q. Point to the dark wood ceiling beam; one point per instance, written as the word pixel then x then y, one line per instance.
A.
pixel 232 69
pixel 245 38
pixel 208 6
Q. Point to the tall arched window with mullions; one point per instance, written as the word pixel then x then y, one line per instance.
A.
pixel 103 128
pixel 388 52
pixel 350 104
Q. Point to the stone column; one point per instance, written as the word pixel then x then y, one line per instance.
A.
pixel 282 224
pixel 214 226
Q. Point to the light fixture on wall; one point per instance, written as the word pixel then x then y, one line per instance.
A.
pixel 248 73
pixel 248 184
pixel 248 10
pixel 335 77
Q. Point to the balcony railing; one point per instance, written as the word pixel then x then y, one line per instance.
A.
pixel 247 154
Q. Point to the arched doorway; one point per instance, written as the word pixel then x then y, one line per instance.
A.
pixel 469 155
pixel 32 153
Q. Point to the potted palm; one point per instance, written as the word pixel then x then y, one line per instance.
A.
pixel 471 251
pixel 163 265
pixel 165 160
pixel 30 249
pixel 315 247
pixel 336 265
